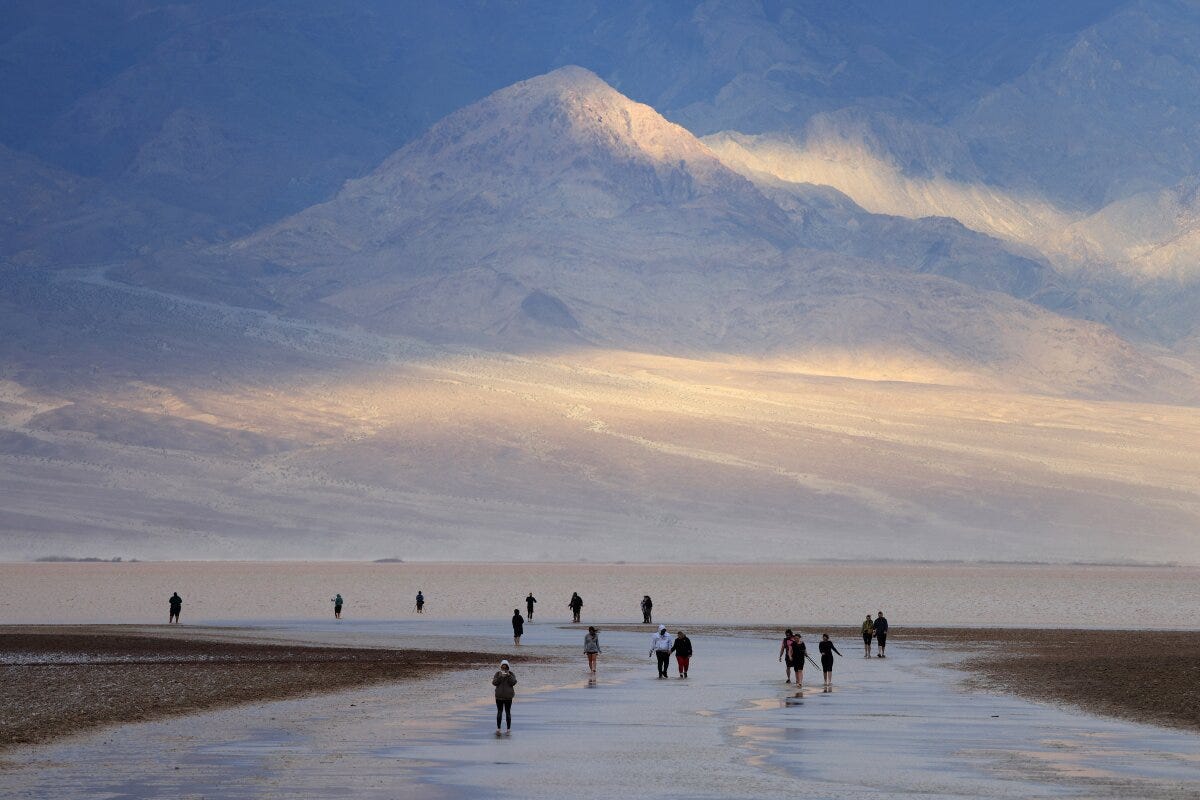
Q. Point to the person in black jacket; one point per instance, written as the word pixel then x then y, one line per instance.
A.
pixel 881 629
pixel 176 605
pixel 529 602
pixel 647 609
pixel 576 605
pixel 827 649
pixel 518 623
pixel 682 648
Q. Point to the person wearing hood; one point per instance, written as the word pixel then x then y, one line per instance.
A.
pixel 504 681
pixel 660 648
pixel 576 606
pixel 518 623
pixel 682 648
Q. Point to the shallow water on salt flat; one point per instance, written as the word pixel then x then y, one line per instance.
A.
pixel 904 726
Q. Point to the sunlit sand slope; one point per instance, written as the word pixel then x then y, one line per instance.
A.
pixel 593 454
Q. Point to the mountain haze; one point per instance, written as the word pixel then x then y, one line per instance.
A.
pixel 716 279
pixel 558 212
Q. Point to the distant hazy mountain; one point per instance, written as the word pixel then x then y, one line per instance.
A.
pixel 558 212
pixel 317 280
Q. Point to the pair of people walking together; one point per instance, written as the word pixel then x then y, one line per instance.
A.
pixel 663 645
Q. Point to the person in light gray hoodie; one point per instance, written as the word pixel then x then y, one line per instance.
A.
pixel 504 681
pixel 591 647
pixel 660 648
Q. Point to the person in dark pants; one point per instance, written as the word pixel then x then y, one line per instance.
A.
pixel 827 648
pixel 799 651
pixel 683 652
pixel 518 623
pixel 660 648
pixel 868 633
pixel 420 602
pixel 337 606
pixel 576 606
pixel 504 681
pixel 880 627
pixel 785 653
pixel 529 601
pixel 176 604
pixel 647 610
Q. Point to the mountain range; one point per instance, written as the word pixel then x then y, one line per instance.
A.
pixel 897 278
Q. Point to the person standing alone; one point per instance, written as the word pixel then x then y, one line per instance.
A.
pixel 660 648
pixel 529 601
pixel 647 610
pixel 176 605
pixel 881 629
pixel 827 648
pixel 420 604
pixel 518 623
pixel 576 606
pixel 504 681
pixel 591 647
pixel 337 606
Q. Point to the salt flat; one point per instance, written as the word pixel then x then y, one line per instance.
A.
pixel 906 725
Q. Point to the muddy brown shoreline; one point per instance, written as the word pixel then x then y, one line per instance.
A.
pixel 1143 676
pixel 55 682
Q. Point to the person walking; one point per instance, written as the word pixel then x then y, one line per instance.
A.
pixel 591 647
pixel 827 648
pixel 337 606
pixel 518 623
pixel 504 680
pixel 175 603
pixel 647 609
pixel 880 626
pixel 799 656
pixel 420 604
pixel 576 606
pixel 785 653
pixel 868 633
pixel 682 648
pixel 529 601
pixel 660 648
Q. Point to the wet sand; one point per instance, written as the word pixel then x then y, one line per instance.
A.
pixel 56 680
pixel 1145 676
